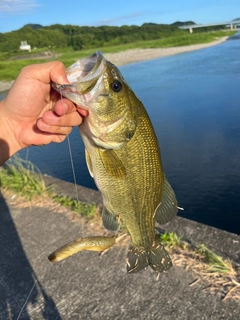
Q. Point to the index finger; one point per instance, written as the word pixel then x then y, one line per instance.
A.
pixel 46 72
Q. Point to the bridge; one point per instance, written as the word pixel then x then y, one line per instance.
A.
pixel 234 24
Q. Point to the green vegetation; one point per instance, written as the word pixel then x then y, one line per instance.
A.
pixel 86 37
pixel 218 275
pixel 25 179
pixel 79 38
pixel 87 210
pixel 214 262
pixel 69 43
pixel 180 23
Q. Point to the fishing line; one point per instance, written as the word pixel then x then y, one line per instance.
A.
pixel 40 291
pixel 34 285
pixel 72 164
pixel 71 159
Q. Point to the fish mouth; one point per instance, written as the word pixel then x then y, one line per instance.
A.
pixel 83 76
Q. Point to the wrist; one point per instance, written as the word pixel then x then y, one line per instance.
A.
pixel 8 142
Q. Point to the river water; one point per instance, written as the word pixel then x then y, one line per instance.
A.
pixel 193 100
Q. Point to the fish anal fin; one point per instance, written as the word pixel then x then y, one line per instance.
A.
pixel 113 165
pixel 110 221
pixel 168 208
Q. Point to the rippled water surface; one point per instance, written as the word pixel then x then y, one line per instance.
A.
pixel 193 100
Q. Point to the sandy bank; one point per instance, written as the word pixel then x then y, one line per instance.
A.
pixel 136 55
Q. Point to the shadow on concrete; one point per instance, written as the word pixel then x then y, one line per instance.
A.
pixel 17 277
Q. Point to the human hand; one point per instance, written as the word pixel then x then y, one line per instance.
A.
pixel 33 113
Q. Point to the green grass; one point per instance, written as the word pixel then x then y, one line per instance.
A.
pixel 214 262
pixel 219 276
pixel 25 179
pixel 171 240
pixel 87 210
pixel 10 68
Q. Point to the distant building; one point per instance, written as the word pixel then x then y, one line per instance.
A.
pixel 24 46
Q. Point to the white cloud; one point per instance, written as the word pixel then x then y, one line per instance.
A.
pixel 12 6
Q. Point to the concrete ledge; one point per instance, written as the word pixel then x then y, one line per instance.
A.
pixel 221 242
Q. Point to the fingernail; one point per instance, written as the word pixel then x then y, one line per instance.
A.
pixel 61 79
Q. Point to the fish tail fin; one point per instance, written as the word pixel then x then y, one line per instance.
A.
pixel 156 257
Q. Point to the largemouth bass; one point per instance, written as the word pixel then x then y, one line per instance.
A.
pixel 123 157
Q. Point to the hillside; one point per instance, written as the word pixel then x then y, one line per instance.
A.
pixel 85 37
pixel 180 24
pixel 34 26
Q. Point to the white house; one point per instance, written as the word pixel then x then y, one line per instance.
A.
pixel 24 46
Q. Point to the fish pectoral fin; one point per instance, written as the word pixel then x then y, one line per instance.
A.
pixel 113 165
pixel 89 163
pixel 110 221
pixel 168 207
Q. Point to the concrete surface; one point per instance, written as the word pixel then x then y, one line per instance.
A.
pixel 86 286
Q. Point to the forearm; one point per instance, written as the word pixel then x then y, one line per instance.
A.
pixel 8 144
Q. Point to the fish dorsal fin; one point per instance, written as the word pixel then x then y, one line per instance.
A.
pixel 168 207
pixel 110 221
pixel 89 163
pixel 113 165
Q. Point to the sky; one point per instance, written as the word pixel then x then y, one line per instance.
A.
pixel 14 14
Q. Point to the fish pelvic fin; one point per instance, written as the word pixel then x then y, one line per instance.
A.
pixel 156 257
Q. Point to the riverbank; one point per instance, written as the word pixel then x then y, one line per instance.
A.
pixel 137 55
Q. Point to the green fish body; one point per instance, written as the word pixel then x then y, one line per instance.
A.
pixel 123 157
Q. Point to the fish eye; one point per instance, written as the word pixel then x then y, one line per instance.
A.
pixel 116 86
